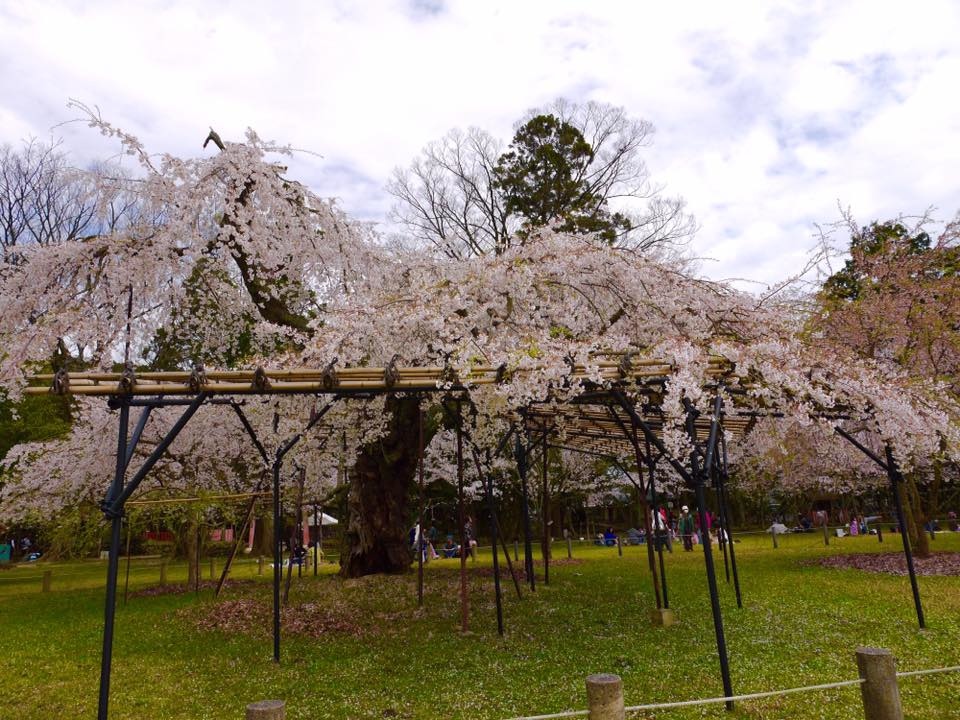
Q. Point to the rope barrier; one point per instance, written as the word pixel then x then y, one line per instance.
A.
pixel 733 698
pixel 914 673
pixel 749 696
pixel 551 716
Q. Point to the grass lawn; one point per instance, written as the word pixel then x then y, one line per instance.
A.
pixel 377 656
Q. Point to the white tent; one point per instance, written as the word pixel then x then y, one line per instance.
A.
pixel 324 519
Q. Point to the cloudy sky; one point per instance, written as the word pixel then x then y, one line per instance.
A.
pixel 767 114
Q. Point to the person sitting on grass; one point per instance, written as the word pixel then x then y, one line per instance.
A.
pixel 635 537
pixel 450 548
pixel 609 537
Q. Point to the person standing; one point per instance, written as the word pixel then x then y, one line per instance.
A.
pixel 685 526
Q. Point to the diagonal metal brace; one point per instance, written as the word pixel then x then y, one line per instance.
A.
pixel 113 506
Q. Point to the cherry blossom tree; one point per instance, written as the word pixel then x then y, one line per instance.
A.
pixel 240 264
pixel 897 300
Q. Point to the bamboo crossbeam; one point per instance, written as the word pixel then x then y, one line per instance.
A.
pixel 211 498
pixel 332 380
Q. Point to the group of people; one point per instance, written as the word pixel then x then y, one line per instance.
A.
pixel 24 548
pixel 667 527
pixel 427 542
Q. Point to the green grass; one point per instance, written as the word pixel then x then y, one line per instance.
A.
pixel 800 626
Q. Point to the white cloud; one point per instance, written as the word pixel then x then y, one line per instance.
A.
pixel 767 113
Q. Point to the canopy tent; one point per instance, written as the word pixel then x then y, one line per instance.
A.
pixel 324 520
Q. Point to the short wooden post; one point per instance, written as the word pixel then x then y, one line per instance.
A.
pixel 569 547
pixel 605 697
pixel 260 565
pixel 774 533
pixel 46 580
pixel 879 533
pixel 879 689
pixel 163 572
pixel 619 547
pixel 933 533
pixel 266 710
pixel 516 550
pixel 826 533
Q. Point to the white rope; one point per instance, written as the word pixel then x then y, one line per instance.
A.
pixel 703 701
pixel 751 696
pixel 568 713
pixel 914 673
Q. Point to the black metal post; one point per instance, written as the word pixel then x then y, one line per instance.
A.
pixel 277 560
pixel 699 477
pixel 137 433
pixel 692 479
pixel 727 524
pixel 544 515
pixel 651 465
pixel 316 543
pixel 277 535
pixel 419 539
pixel 464 540
pixel 653 539
pixel 521 453
pixel 126 580
pixel 113 562
pixel 896 482
pixel 722 522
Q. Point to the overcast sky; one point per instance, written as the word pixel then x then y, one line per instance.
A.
pixel 767 114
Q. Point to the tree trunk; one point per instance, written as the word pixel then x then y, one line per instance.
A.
pixel 263 540
pixel 919 540
pixel 377 502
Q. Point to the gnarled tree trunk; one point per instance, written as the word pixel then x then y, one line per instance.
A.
pixel 377 533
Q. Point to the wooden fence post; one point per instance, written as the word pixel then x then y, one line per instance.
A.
pixel 569 547
pixel 619 547
pixel 605 697
pixel 826 533
pixel 46 580
pixel 163 572
pixel 881 694
pixel 266 710
pixel 774 533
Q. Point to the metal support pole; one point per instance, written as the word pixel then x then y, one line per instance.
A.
pixel 521 453
pixel 896 482
pixel 126 580
pixel 653 538
pixel 545 515
pixel 316 543
pixel 699 476
pixel 651 466
pixel 722 528
pixel 277 560
pixel 110 604
pixel 724 475
pixel 690 478
pixel 464 540
pixel 419 539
